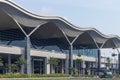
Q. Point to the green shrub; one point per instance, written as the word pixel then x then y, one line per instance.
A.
pixel 88 76
pixel 50 75
pixel 17 75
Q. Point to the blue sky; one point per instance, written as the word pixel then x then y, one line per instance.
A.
pixel 103 15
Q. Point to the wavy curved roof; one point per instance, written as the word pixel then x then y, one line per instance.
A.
pixel 9 12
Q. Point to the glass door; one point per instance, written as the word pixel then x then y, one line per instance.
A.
pixel 38 66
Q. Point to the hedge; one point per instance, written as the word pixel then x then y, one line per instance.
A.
pixel 32 75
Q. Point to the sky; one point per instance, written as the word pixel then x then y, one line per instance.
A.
pixel 103 15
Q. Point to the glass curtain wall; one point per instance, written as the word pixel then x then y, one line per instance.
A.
pixel 12 37
pixel 86 52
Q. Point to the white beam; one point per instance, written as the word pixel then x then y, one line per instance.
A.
pixel 20 27
pixel 75 38
pixel 103 44
pixel 66 37
pixel 36 28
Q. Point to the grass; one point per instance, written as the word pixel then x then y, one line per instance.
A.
pixel 44 78
pixel 32 75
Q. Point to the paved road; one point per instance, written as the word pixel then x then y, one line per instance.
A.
pixel 58 78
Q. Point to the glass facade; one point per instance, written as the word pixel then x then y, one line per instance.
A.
pixel 12 37
pixel 86 52
pixel 38 65
pixel 15 37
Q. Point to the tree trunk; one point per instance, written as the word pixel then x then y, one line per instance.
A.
pixel 78 68
pixel 51 68
pixel 22 69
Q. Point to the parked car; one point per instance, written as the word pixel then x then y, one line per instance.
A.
pixel 105 74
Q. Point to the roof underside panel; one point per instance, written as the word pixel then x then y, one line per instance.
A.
pixel 52 27
pixel 85 40
pixel 21 17
pixel 6 22
pixel 48 30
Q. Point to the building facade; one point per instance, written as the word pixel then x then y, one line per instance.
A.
pixel 37 39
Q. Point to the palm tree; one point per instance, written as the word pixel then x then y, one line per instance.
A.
pixel 71 70
pixel 78 64
pixel 20 62
pixel 108 62
pixel 79 55
pixel 113 55
pixel 1 61
pixel 12 67
pixel 52 61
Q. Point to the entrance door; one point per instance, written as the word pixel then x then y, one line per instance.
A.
pixel 38 66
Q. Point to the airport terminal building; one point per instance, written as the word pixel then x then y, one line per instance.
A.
pixel 38 38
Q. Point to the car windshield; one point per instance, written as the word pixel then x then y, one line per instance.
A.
pixel 109 73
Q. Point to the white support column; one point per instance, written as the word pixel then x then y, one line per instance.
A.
pixel 27 49
pixel 70 61
pixel 99 54
pixel 32 66
pixel 28 56
pixel 47 66
pixel 9 61
pixel 66 64
pixel 83 67
pixel 62 66
pixel 71 58
pixel 99 59
pixel 23 66
pixel 118 60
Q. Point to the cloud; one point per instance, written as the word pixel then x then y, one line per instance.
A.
pixel 49 11
pixel 110 5
pixel 46 10
pixel 93 4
